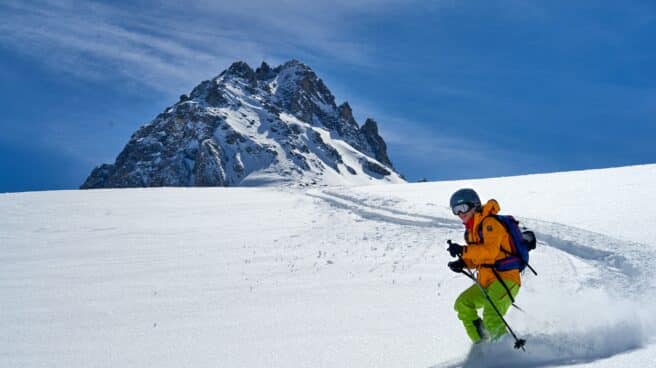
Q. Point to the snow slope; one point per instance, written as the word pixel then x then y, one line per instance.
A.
pixel 330 277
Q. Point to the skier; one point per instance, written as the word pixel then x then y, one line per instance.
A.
pixel 481 255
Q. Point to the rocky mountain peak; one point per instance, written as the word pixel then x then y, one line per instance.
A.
pixel 240 70
pixel 298 66
pixel 346 114
pixel 264 72
pixel 302 92
pixel 375 141
pixel 269 126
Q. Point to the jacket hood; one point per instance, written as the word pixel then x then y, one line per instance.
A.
pixel 490 208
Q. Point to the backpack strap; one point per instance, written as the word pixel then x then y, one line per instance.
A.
pixel 508 253
pixel 492 266
pixel 479 230
pixel 503 283
pixel 531 268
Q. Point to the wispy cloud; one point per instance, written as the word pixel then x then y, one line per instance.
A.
pixel 98 42
pixel 421 146
pixel 175 45
pixel 418 138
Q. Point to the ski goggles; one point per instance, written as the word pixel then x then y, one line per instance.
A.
pixel 461 208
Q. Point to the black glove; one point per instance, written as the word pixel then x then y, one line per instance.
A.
pixel 456 266
pixel 454 249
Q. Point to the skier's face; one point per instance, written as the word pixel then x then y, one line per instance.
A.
pixel 466 216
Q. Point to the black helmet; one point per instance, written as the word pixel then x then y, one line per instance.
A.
pixel 465 196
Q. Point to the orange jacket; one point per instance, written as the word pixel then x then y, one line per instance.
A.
pixel 488 251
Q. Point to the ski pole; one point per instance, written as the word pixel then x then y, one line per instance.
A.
pixel 519 343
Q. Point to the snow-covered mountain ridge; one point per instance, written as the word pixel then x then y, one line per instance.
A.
pixel 245 127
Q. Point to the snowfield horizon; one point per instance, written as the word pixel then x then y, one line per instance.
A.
pixel 322 277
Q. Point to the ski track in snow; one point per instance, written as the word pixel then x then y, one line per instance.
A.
pixel 618 267
pixel 384 214
pixel 558 236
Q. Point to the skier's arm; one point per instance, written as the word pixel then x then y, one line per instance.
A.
pixel 487 252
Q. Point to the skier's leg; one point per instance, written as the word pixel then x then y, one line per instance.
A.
pixel 466 305
pixel 498 294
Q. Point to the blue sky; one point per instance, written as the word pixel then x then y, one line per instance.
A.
pixel 460 89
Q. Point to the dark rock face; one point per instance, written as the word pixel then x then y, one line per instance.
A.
pixel 247 124
pixel 375 142
pixel 242 70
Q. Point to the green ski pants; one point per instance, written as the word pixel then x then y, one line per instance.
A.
pixel 472 299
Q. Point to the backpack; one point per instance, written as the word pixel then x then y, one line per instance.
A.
pixel 521 243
